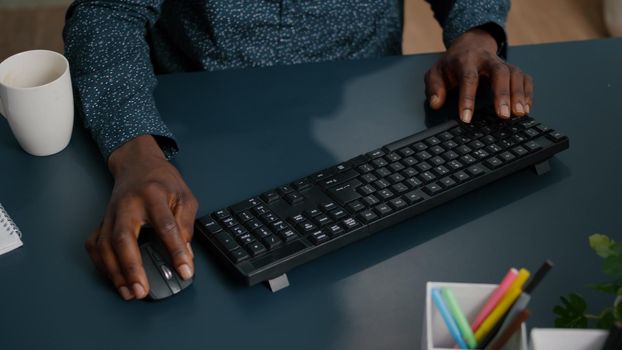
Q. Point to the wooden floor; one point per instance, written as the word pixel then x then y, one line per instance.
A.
pixel 529 22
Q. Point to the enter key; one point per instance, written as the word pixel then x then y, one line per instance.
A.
pixel 345 192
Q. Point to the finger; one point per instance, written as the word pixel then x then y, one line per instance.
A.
pixel 528 88
pixel 166 227
pixel 468 88
pixel 185 213
pixel 91 248
pixel 517 85
pixel 501 89
pixel 111 265
pixel 124 234
pixel 435 87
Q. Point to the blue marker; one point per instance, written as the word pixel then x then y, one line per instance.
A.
pixel 449 321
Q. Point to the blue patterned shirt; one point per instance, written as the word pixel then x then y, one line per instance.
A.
pixel 116 47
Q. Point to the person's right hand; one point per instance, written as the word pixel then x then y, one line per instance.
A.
pixel 147 190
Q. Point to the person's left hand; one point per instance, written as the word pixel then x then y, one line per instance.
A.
pixel 471 57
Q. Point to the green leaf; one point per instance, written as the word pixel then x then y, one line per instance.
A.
pixel 607 287
pixel 606 319
pixel 613 266
pixel 618 311
pixel 571 312
pixel 603 245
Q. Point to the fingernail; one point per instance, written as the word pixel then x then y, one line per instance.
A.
pixel 125 293
pixel 527 109
pixel 139 291
pixel 434 99
pixel 519 108
pixel 466 115
pixel 505 111
pixel 185 271
pixel 190 249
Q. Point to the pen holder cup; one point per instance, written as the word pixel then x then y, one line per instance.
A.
pixel 471 297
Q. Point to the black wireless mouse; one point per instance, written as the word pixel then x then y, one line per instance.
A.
pixel 163 278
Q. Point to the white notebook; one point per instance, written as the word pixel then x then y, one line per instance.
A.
pixel 10 236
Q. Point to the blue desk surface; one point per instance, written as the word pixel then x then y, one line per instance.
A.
pixel 245 131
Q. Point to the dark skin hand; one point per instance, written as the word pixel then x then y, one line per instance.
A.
pixel 471 57
pixel 147 190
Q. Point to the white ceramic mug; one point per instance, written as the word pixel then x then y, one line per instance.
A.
pixel 37 100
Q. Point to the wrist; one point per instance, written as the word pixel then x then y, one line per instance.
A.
pixel 140 148
pixel 481 38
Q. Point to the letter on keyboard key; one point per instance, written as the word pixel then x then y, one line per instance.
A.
pixel 318 237
pixel 368 216
pixel 350 223
pixel 288 235
pixel 334 230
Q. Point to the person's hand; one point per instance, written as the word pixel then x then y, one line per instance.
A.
pixel 471 57
pixel 147 190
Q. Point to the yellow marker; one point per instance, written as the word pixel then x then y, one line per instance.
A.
pixel 504 305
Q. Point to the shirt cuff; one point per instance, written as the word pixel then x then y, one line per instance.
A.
pixel 464 17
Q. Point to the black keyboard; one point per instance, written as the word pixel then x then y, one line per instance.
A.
pixel 265 236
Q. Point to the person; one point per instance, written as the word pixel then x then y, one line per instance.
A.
pixel 115 48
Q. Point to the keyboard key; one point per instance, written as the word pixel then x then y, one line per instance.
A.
pixel 366 190
pixel 475 170
pixel 256 249
pixel 542 128
pixel 412 197
pixel 262 232
pixel 454 165
pixel 476 144
pixel 338 214
pixel 244 205
pixel 423 166
pixel 379 162
pixel 245 216
pixel 283 190
pixel 341 167
pixel 480 154
pixel 431 141
pixel 423 155
pixel 396 167
pixel 409 161
pixel 461 176
pixel 381 184
pixel 253 224
pixel 261 210
pixel 312 212
pixel 356 206
pixel 406 151
pixel 450 155
pixel 532 146
pixel 395 178
pixel 399 188
pixel 345 192
pixel 339 178
pixel 365 168
pixel 382 172
pixel 383 209
pixel 368 216
pixel 226 241
pixel 375 154
pixel 450 144
pixel 413 182
pixel 246 238
pixel 271 242
pixel 334 230
pixel 519 151
pixel 436 149
pixel 464 149
pixel 384 194
pixel 409 172
pixel 368 178
pixel 432 189
pixel 322 220
pixel 467 159
pixel 238 255
pixel 507 156
pixel 441 170
pixel 294 198
pixel 531 133
pixel 447 182
pixel 221 214
pixel 288 235
pixel 302 184
pixel 238 230
pixel 269 217
pixel 371 200
pixel 493 163
pixel 350 224
pixel 278 226
pixel 392 157
pixel 318 237
pixel 419 146
pixel 427 176
pixel 445 136
pixel 306 227
pixel 297 219
pixel 489 139
pixel 270 197
pixel 397 203
pixel 436 161
pixel 320 176
pixel 494 148
pixel 229 222
pixel 210 225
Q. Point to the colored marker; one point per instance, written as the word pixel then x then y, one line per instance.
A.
pixel 494 298
pixel 458 315
pixel 497 314
pixel 514 326
pixel 449 321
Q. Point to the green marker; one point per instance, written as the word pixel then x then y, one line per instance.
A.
pixel 462 322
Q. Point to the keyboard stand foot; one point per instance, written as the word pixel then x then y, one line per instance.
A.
pixel 542 167
pixel 278 283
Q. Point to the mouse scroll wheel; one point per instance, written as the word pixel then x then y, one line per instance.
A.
pixel 168 274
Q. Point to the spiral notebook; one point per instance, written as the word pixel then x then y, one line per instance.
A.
pixel 10 236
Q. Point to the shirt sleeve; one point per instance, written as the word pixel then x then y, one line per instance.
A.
pixel 458 16
pixel 112 74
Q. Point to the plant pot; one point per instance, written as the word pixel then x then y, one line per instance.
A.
pixel 567 339
pixel 612 13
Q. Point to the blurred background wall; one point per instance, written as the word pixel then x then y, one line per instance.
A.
pixel 30 24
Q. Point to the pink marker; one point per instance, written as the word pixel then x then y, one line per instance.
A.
pixel 494 298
